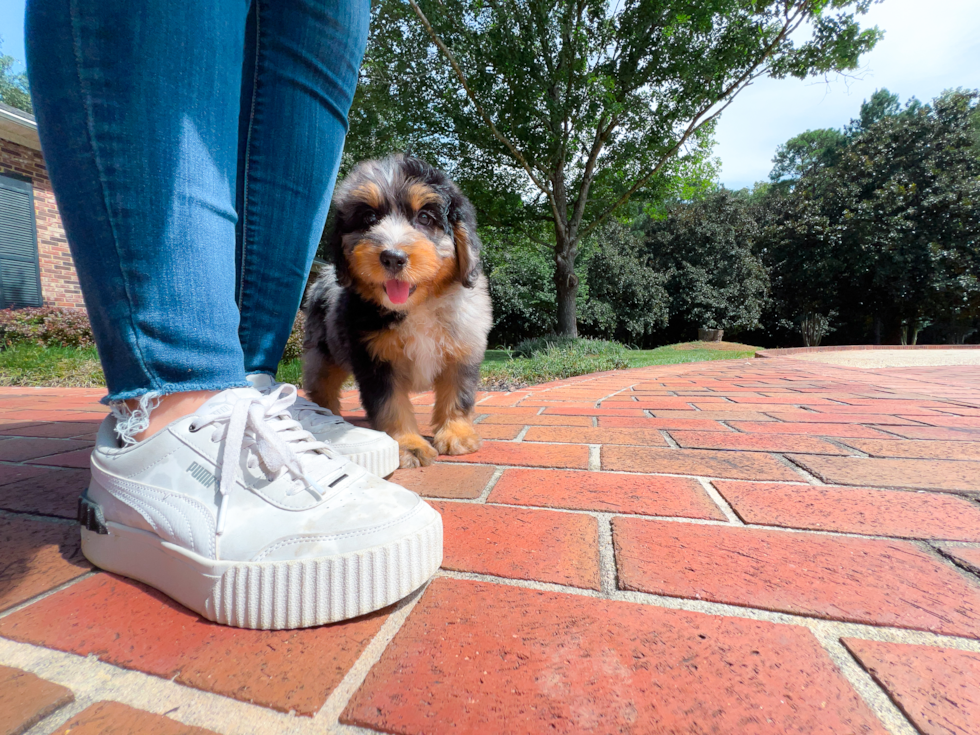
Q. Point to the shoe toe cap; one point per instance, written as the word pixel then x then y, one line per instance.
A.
pixel 371 514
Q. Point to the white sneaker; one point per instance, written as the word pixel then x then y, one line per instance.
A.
pixel 375 451
pixel 239 514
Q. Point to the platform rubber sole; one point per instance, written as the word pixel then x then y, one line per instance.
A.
pixel 271 595
pixel 381 461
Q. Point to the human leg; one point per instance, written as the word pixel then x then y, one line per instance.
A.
pixel 137 107
pixel 301 64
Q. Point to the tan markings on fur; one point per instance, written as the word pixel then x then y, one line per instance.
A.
pixel 426 269
pixel 464 253
pixel 326 386
pixel 419 195
pixel 397 419
pixel 454 430
pixel 369 193
pixel 385 345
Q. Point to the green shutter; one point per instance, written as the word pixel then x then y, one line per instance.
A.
pixel 20 278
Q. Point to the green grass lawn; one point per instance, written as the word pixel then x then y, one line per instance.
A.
pixel 30 365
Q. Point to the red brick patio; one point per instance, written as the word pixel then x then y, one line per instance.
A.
pixel 767 546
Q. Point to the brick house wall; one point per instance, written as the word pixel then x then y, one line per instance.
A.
pixel 59 283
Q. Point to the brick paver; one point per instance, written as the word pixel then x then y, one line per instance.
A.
pixel 26 699
pixel 543 545
pixel 937 688
pixel 35 557
pixel 854 510
pixel 743 466
pixel 129 625
pixel 113 718
pixel 483 658
pixel 928 474
pixel 860 580
pixel 606 492
pixel 754 442
pixel 775 489
pixel 910 449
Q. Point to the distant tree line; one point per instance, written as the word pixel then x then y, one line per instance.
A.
pixel 869 234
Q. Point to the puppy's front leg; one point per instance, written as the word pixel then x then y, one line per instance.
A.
pixel 452 416
pixel 395 416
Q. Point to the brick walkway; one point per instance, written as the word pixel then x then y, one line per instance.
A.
pixel 766 546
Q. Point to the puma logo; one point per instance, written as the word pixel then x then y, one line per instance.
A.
pixel 201 475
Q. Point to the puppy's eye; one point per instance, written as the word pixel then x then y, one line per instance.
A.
pixel 370 219
pixel 425 219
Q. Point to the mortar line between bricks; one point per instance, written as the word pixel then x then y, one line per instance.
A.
pixel 721 502
pixel 608 576
pixel 48 593
pixel 698 521
pixel 93 680
pixel 861 682
pixel 934 553
pixel 595 460
pixel 488 488
pixel 329 713
pixel 36 517
pixel 799 469
pixel 846 629
pixel 522 433
pixel 730 427
pixel 836 441
pixel 669 439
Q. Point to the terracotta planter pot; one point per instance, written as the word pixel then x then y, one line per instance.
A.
pixel 711 335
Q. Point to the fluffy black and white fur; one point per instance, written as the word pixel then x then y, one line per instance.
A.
pixel 404 308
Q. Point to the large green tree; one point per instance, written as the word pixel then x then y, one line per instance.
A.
pixel 713 277
pixel 889 237
pixel 584 104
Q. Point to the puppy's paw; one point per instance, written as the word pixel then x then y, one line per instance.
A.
pixel 457 437
pixel 414 451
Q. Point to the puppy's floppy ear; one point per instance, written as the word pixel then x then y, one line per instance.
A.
pixel 462 219
pixel 335 244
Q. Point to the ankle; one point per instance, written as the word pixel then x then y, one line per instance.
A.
pixel 164 410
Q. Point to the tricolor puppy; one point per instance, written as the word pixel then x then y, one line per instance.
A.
pixel 405 307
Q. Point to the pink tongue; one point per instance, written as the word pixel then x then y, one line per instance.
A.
pixel 397 291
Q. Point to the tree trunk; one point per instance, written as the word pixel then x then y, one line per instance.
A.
pixel 566 287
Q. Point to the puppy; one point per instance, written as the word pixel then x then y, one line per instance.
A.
pixel 405 307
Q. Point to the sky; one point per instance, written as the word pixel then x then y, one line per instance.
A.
pixel 928 47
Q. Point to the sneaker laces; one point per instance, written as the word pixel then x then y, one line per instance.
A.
pixel 306 410
pixel 261 425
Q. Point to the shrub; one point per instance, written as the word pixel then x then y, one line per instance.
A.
pixel 580 346
pixel 46 326
pixel 294 345
pixel 554 358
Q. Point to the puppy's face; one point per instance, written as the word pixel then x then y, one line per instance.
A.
pixel 403 233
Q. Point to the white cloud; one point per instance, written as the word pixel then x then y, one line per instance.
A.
pixel 927 48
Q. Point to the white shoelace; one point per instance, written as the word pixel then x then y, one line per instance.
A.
pixel 263 426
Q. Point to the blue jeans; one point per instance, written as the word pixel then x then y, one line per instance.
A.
pixel 193 148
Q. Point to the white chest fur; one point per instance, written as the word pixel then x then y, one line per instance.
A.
pixel 453 327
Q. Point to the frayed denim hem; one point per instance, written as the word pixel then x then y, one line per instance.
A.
pixel 133 421
pixel 166 390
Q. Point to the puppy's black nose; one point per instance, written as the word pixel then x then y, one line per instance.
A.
pixel 394 260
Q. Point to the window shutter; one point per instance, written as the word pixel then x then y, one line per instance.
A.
pixel 20 277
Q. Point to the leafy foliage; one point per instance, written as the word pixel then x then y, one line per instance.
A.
pixel 14 90
pixel 560 112
pixel 626 298
pixel 714 278
pixel 46 326
pixel 890 235
pixel 814 148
